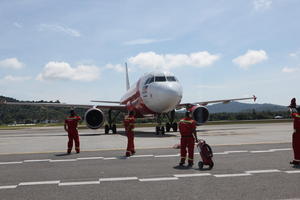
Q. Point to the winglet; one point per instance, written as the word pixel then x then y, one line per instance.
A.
pixel 254 98
pixel 127 77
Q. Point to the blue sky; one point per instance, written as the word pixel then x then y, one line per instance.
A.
pixel 74 51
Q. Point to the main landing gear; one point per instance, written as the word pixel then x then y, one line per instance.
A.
pixel 111 123
pixel 161 129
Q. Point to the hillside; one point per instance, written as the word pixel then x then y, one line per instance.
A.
pixel 235 107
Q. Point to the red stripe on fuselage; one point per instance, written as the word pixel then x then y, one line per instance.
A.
pixel 136 102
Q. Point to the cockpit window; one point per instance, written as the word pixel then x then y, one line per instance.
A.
pixel 149 80
pixel 171 78
pixel 160 79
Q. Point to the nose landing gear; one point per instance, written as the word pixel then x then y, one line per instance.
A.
pixel 160 129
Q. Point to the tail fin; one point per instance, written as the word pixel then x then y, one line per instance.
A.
pixel 127 78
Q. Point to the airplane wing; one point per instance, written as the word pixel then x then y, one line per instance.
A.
pixel 204 103
pixel 112 107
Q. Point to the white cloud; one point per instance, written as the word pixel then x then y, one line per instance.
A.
pixel 63 71
pixel 16 78
pixel 144 41
pixel 118 67
pixel 290 69
pixel 168 61
pixel 250 58
pixel 12 63
pixel 18 25
pixel 59 28
pixel 211 86
pixel 262 4
pixel 295 54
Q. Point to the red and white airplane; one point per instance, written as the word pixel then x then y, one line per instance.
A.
pixel 156 94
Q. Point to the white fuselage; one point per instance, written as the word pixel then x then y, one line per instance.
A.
pixel 156 92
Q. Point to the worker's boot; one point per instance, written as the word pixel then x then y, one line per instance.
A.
pixel 190 164
pixel 128 154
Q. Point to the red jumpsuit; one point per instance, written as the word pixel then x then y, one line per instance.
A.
pixel 129 126
pixel 296 137
pixel 187 127
pixel 71 123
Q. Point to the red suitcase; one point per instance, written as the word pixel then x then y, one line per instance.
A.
pixel 206 155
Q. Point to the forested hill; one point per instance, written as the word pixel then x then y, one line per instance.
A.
pixel 235 107
pixel 43 114
pixel 32 114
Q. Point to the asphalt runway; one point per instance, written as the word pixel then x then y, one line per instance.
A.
pixel 251 162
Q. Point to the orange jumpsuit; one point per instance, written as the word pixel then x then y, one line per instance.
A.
pixel 129 126
pixel 187 127
pixel 71 122
pixel 296 137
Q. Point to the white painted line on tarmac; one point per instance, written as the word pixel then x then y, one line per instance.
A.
pixel 262 171
pixel 10 163
pixel 220 153
pixel 191 175
pixel 79 183
pixel 158 179
pixel 110 158
pixel 262 151
pixel 64 160
pixel 165 156
pixel 239 151
pixel 8 187
pixel 118 179
pixel 40 183
pixel 292 172
pixel 231 175
pixel 42 160
pixel 283 149
pixel 90 158
pixel 141 156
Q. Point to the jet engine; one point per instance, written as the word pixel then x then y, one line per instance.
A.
pixel 200 114
pixel 94 118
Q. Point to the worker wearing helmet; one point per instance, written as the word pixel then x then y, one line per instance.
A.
pixel 295 112
pixel 187 128
pixel 70 126
pixel 129 126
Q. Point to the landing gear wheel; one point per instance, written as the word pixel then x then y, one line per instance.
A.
pixel 157 130
pixel 114 129
pixel 162 130
pixel 211 166
pixel 168 127
pixel 200 165
pixel 106 129
pixel 174 127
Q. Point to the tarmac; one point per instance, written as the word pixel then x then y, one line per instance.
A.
pixel 251 162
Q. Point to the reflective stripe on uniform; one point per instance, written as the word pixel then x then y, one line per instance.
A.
pixel 186 121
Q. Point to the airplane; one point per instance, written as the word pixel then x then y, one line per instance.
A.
pixel 156 94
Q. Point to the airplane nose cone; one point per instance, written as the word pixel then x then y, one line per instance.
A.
pixel 165 97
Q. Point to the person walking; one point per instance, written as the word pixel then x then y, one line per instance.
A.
pixel 71 123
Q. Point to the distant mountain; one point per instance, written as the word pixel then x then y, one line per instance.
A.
pixel 234 107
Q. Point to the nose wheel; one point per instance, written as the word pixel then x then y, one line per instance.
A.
pixel 160 130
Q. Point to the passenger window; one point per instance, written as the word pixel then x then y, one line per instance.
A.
pixel 160 79
pixel 171 78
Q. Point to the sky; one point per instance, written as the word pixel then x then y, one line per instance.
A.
pixel 74 51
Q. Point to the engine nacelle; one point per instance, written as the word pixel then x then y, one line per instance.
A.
pixel 200 114
pixel 94 118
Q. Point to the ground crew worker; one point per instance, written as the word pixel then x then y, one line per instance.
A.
pixel 70 125
pixel 295 112
pixel 129 126
pixel 187 128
